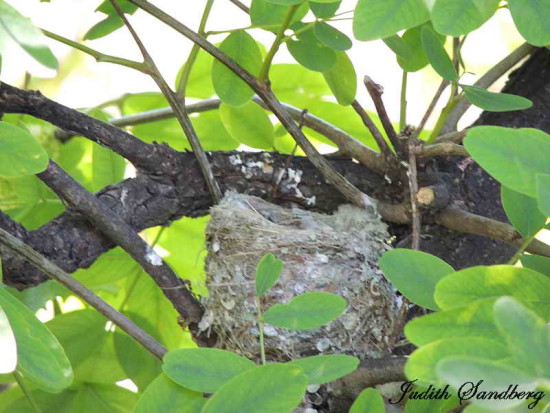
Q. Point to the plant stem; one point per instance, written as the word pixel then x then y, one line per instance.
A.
pixel 194 50
pixel 522 248
pixel 98 56
pixel 445 112
pixel 39 261
pixel 264 72
pixel 261 329
pixel 403 107
pixel 26 392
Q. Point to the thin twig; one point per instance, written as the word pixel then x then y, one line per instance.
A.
pixel 403 102
pixel 444 83
pixel 98 56
pixel 413 188
pixel 241 6
pixel 443 148
pixel 184 79
pixel 490 77
pixel 375 92
pixel 39 261
pixel 346 188
pixel 454 137
pixel 179 110
pixel 375 132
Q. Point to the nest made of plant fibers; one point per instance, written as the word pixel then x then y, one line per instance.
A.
pixel 331 253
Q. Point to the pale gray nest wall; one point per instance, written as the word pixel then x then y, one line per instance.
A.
pixel 332 253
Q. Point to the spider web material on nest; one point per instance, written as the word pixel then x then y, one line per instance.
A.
pixel 331 253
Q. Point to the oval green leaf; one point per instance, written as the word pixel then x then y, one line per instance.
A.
pixel 271 16
pixel 15 27
pixel 543 195
pixel 285 2
pixel 378 19
pixel 326 368
pixel 512 156
pixel 306 311
pixel 324 10
pixel 422 364
pixel 495 102
pixel 473 320
pixel 20 154
pixel 311 54
pixel 41 359
pixel 532 19
pixel 163 395
pixel 495 377
pixel 267 273
pixel 537 263
pixel 369 400
pixel 248 124
pixel 242 48
pixel 204 369
pixel 342 79
pixel 460 17
pixel 8 355
pixel 527 335
pixel 331 36
pixel 522 211
pixel 415 274
pixel 478 283
pixel 437 56
pixel 274 387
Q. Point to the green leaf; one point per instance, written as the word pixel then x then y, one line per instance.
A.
pixel 527 335
pixel 163 395
pixel 415 274
pixel 16 28
pixel 311 53
pixel 8 356
pixel 82 398
pixel 495 102
pixel 477 283
pixel 473 320
pixel 20 154
pixel 296 85
pixel 537 263
pixel 204 369
pixel 543 195
pixel 512 156
pixel 285 2
pixel 342 79
pixel 41 359
pixel 112 22
pixel 248 124
pixel 88 345
pixel 459 372
pixel 437 56
pixel 306 311
pixel 522 211
pixel 326 368
pixel 408 49
pixel 422 364
pixel 369 400
pixel 274 387
pixel 331 37
pixel 199 84
pixel 267 273
pixel 460 17
pixel 264 13
pixel 324 10
pixel 138 363
pixel 532 19
pixel 378 19
pixel 242 48
pixel 109 268
pixel 108 167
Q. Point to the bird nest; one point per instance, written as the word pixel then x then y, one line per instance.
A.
pixel 329 253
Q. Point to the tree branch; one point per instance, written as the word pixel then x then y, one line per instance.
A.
pixel 18 247
pixel 122 234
